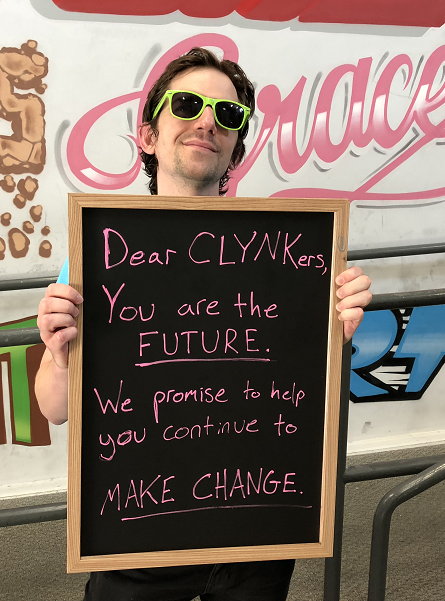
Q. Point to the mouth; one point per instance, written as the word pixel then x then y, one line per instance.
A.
pixel 200 145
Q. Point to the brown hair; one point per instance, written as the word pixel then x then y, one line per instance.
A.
pixel 195 58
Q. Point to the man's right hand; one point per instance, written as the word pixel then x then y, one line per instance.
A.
pixel 57 320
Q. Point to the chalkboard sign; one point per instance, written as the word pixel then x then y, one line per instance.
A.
pixel 205 380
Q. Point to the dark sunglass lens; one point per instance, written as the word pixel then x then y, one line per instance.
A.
pixel 186 105
pixel 230 115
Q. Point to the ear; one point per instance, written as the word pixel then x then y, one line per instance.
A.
pixel 147 138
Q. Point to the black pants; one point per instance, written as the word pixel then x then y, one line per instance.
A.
pixel 251 581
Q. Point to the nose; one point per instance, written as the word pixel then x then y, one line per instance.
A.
pixel 206 120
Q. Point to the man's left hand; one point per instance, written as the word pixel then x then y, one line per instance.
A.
pixel 354 295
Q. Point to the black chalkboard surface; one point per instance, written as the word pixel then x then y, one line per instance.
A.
pixel 204 383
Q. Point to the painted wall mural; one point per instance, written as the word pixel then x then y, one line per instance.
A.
pixel 397 354
pixel 399 371
pixel 24 151
pixel 27 424
pixel 354 111
pixel 372 82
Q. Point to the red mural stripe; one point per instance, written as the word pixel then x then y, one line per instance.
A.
pixel 419 13
pixel 272 10
pixel 192 8
pixel 119 7
pixel 264 10
pixel 205 9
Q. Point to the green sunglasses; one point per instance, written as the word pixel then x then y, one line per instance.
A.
pixel 190 105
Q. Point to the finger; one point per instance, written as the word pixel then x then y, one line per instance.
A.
pixel 57 305
pixel 52 322
pixel 56 339
pixel 361 299
pixel 359 284
pixel 57 343
pixel 64 291
pixel 348 275
pixel 354 314
pixel 61 337
pixel 349 329
pixel 58 346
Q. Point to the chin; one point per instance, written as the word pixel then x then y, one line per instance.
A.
pixel 205 176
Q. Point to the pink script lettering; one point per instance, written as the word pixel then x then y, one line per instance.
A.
pixel 282 114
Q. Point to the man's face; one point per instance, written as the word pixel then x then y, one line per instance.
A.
pixel 192 154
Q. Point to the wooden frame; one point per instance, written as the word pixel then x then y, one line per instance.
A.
pixel 324 548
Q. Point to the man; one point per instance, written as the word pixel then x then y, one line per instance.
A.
pixel 189 143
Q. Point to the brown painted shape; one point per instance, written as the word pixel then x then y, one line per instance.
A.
pixel 36 213
pixel 22 69
pixel 7 183
pixel 19 201
pixel 45 249
pixel 18 243
pixel 28 227
pixel 28 187
pixel 5 219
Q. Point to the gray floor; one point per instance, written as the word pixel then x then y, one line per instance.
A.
pixel 33 556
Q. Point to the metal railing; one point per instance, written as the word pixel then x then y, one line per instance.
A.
pixel 18 516
pixel 26 284
pixel 396 300
pixel 359 473
pixel 428 470
pixel 395 251
pixel 412 487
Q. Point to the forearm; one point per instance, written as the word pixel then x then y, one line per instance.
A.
pixel 51 390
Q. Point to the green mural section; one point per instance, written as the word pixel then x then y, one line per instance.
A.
pixel 21 402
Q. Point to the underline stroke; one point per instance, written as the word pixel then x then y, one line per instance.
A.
pixel 150 515
pixel 197 360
